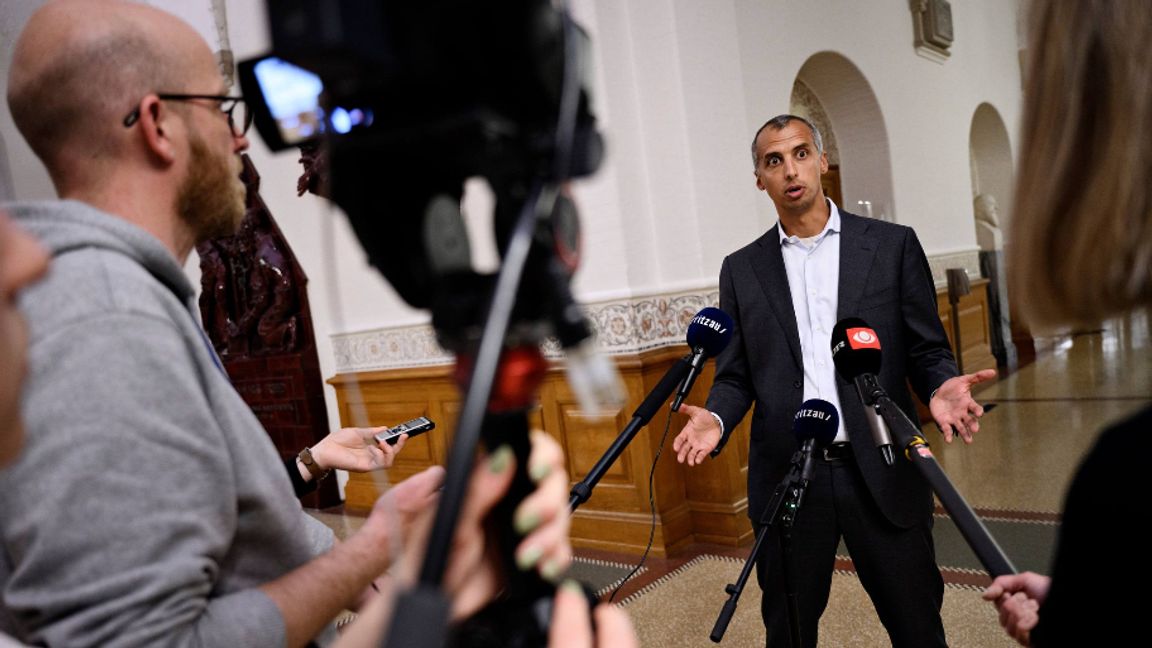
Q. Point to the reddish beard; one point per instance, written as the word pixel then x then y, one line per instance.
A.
pixel 211 198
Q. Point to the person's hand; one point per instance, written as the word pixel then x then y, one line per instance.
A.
pixel 356 450
pixel 395 513
pixel 1018 597
pixel 380 542
pixel 572 628
pixel 699 437
pixel 954 409
pixel 473 576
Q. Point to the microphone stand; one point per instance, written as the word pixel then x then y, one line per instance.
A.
pixel 907 434
pixel 876 425
pixel 782 508
pixel 644 413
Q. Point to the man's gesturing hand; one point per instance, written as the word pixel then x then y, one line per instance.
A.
pixel 698 438
pixel 953 407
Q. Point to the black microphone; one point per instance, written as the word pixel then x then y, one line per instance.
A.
pixel 814 425
pixel 856 354
pixel 708 333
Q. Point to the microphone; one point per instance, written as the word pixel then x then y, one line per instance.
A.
pixel 708 333
pixel 814 425
pixel 856 354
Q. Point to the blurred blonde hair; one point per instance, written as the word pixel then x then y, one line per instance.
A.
pixel 1080 240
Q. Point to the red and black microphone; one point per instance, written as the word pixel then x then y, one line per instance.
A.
pixel 856 354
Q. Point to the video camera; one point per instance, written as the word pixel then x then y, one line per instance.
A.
pixel 407 100
pixel 413 98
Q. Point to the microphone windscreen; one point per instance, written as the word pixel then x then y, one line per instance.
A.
pixel 816 419
pixel 711 330
pixel 855 348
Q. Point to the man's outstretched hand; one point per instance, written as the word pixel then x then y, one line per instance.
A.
pixel 698 438
pixel 954 409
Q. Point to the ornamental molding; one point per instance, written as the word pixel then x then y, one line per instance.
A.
pixel 623 326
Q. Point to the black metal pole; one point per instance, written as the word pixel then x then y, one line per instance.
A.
pixel 956 335
pixel 907 435
pixel 791 593
pixel 480 390
pixel 644 413
pixel 426 601
pixel 783 507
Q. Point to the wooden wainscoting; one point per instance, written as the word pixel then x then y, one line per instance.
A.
pixel 975 332
pixel 702 504
pixel 975 325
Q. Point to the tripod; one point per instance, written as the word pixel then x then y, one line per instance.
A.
pixel 781 510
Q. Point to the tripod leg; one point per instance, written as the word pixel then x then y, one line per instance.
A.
pixel 814 539
pixel 791 592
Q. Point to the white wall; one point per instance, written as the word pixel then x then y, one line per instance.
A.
pixel 29 179
pixel 927 106
pixel 680 86
pixel 684 84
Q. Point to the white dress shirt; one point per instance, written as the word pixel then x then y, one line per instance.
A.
pixel 813 266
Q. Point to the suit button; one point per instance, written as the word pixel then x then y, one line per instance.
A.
pixel 797 384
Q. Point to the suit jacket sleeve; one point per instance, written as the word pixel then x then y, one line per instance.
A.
pixel 731 393
pixel 929 355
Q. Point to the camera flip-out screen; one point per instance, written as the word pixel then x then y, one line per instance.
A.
pixel 286 102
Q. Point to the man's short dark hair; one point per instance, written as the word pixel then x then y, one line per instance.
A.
pixel 779 122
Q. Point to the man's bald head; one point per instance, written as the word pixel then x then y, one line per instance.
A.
pixel 80 66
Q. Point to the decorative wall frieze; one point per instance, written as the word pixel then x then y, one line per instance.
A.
pixel 623 326
pixel 388 348
pixel 969 260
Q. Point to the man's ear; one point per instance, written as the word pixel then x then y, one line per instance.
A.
pixel 823 163
pixel 156 124
pixel 759 184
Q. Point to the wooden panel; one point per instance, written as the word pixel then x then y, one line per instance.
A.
pixel 830 182
pixel 716 490
pixel 706 503
pixel 975 332
pixel 702 504
pixel 975 326
pixel 387 398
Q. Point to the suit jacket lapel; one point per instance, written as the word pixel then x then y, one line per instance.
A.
pixel 769 269
pixel 857 251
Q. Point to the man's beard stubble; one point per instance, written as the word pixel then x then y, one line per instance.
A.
pixel 211 200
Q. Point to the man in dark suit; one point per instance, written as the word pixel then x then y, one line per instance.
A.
pixel 785 292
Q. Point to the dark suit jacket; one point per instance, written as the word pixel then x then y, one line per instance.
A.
pixel 885 280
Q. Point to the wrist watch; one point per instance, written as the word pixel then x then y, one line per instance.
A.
pixel 314 468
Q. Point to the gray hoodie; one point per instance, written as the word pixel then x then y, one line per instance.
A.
pixel 148 503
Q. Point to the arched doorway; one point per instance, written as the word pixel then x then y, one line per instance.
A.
pixel 990 159
pixel 833 93
pixel 990 155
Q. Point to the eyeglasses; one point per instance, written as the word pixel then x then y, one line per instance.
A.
pixel 227 106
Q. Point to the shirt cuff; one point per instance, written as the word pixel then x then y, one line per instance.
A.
pixel 719 421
